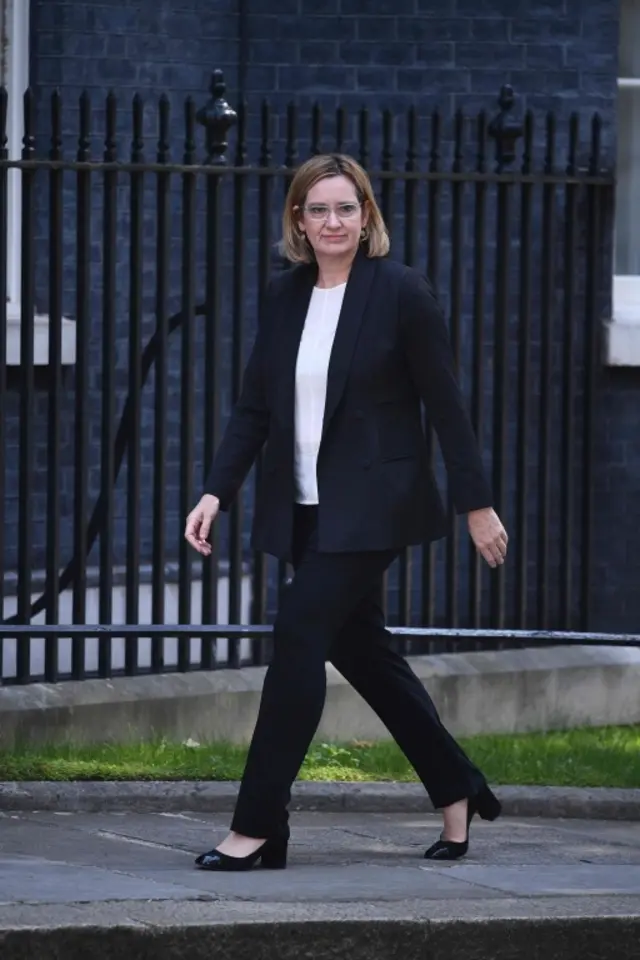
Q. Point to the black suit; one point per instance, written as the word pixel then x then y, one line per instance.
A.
pixel 376 489
pixel 376 495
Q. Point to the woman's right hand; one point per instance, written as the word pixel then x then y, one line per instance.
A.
pixel 199 524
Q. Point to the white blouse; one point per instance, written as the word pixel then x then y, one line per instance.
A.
pixel 311 386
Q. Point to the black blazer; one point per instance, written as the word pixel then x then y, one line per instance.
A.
pixel 376 489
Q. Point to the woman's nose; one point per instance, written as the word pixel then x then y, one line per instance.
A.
pixel 332 219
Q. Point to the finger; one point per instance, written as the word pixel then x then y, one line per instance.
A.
pixel 499 541
pixel 501 548
pixel 191 537
pixel 488 556
pixel 492 555
pixel 193 534
pixel 201 547
pixel 205 528
pixel 193 542
pixel 192 522
pixel 191 529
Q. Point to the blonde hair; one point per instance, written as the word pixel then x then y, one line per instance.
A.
pixel 294 245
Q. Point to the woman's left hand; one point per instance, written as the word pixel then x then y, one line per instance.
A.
pixel 488 534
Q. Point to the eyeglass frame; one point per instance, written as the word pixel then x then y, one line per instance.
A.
pixel 304 209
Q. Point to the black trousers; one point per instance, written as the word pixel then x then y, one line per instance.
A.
pixel 332 611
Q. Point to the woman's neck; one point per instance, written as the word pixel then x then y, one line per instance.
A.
pixel 332 274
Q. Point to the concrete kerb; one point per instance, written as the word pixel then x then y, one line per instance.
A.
pixel 501 939
pixel 219 797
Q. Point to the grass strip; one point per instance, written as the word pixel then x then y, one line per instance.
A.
pixel 594 757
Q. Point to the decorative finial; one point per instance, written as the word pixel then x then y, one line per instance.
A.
pixel 217 118
pixel 505 131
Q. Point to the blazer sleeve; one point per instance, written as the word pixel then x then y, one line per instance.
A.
pixel 431 362
pixel 248 426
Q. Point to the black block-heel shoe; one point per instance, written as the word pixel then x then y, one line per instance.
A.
pixel 272 855
pixel 487 806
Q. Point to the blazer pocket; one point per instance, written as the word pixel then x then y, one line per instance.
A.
pixel 392 457
pixel 397 438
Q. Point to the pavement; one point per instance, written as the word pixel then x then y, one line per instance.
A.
pixel 112 884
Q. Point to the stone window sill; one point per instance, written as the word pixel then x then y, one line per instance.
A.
pixel 622 332
pixel 622 343
pixel 40 340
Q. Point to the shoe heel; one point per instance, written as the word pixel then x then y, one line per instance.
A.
pixel 488 805
pixel 274 854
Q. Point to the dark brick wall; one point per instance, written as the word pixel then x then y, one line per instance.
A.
pixel 558 54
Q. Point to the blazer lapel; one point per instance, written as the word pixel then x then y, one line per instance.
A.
pixel 353 307
pixel 291 327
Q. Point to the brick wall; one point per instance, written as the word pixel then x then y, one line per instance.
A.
pixel 558 54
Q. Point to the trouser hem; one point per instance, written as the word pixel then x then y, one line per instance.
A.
pixel 440 800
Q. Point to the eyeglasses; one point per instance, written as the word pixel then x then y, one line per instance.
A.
pixel 321 211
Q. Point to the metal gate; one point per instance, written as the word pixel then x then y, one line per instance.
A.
pixel 148 258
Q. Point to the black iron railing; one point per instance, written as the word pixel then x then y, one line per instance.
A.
pixel 150 643
pixel 160 258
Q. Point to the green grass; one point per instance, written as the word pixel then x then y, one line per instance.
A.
pixel 606 757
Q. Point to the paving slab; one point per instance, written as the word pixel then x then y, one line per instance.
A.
pixel 555 880
pixel 36 880
pixel 110 884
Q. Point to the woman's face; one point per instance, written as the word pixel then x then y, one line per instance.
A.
pixel 333 218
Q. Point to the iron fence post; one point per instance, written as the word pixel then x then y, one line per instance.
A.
pixel 217 118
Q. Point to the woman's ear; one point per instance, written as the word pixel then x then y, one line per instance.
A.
pixel 297 214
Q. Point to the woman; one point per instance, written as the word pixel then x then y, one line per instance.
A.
pixel 348 345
